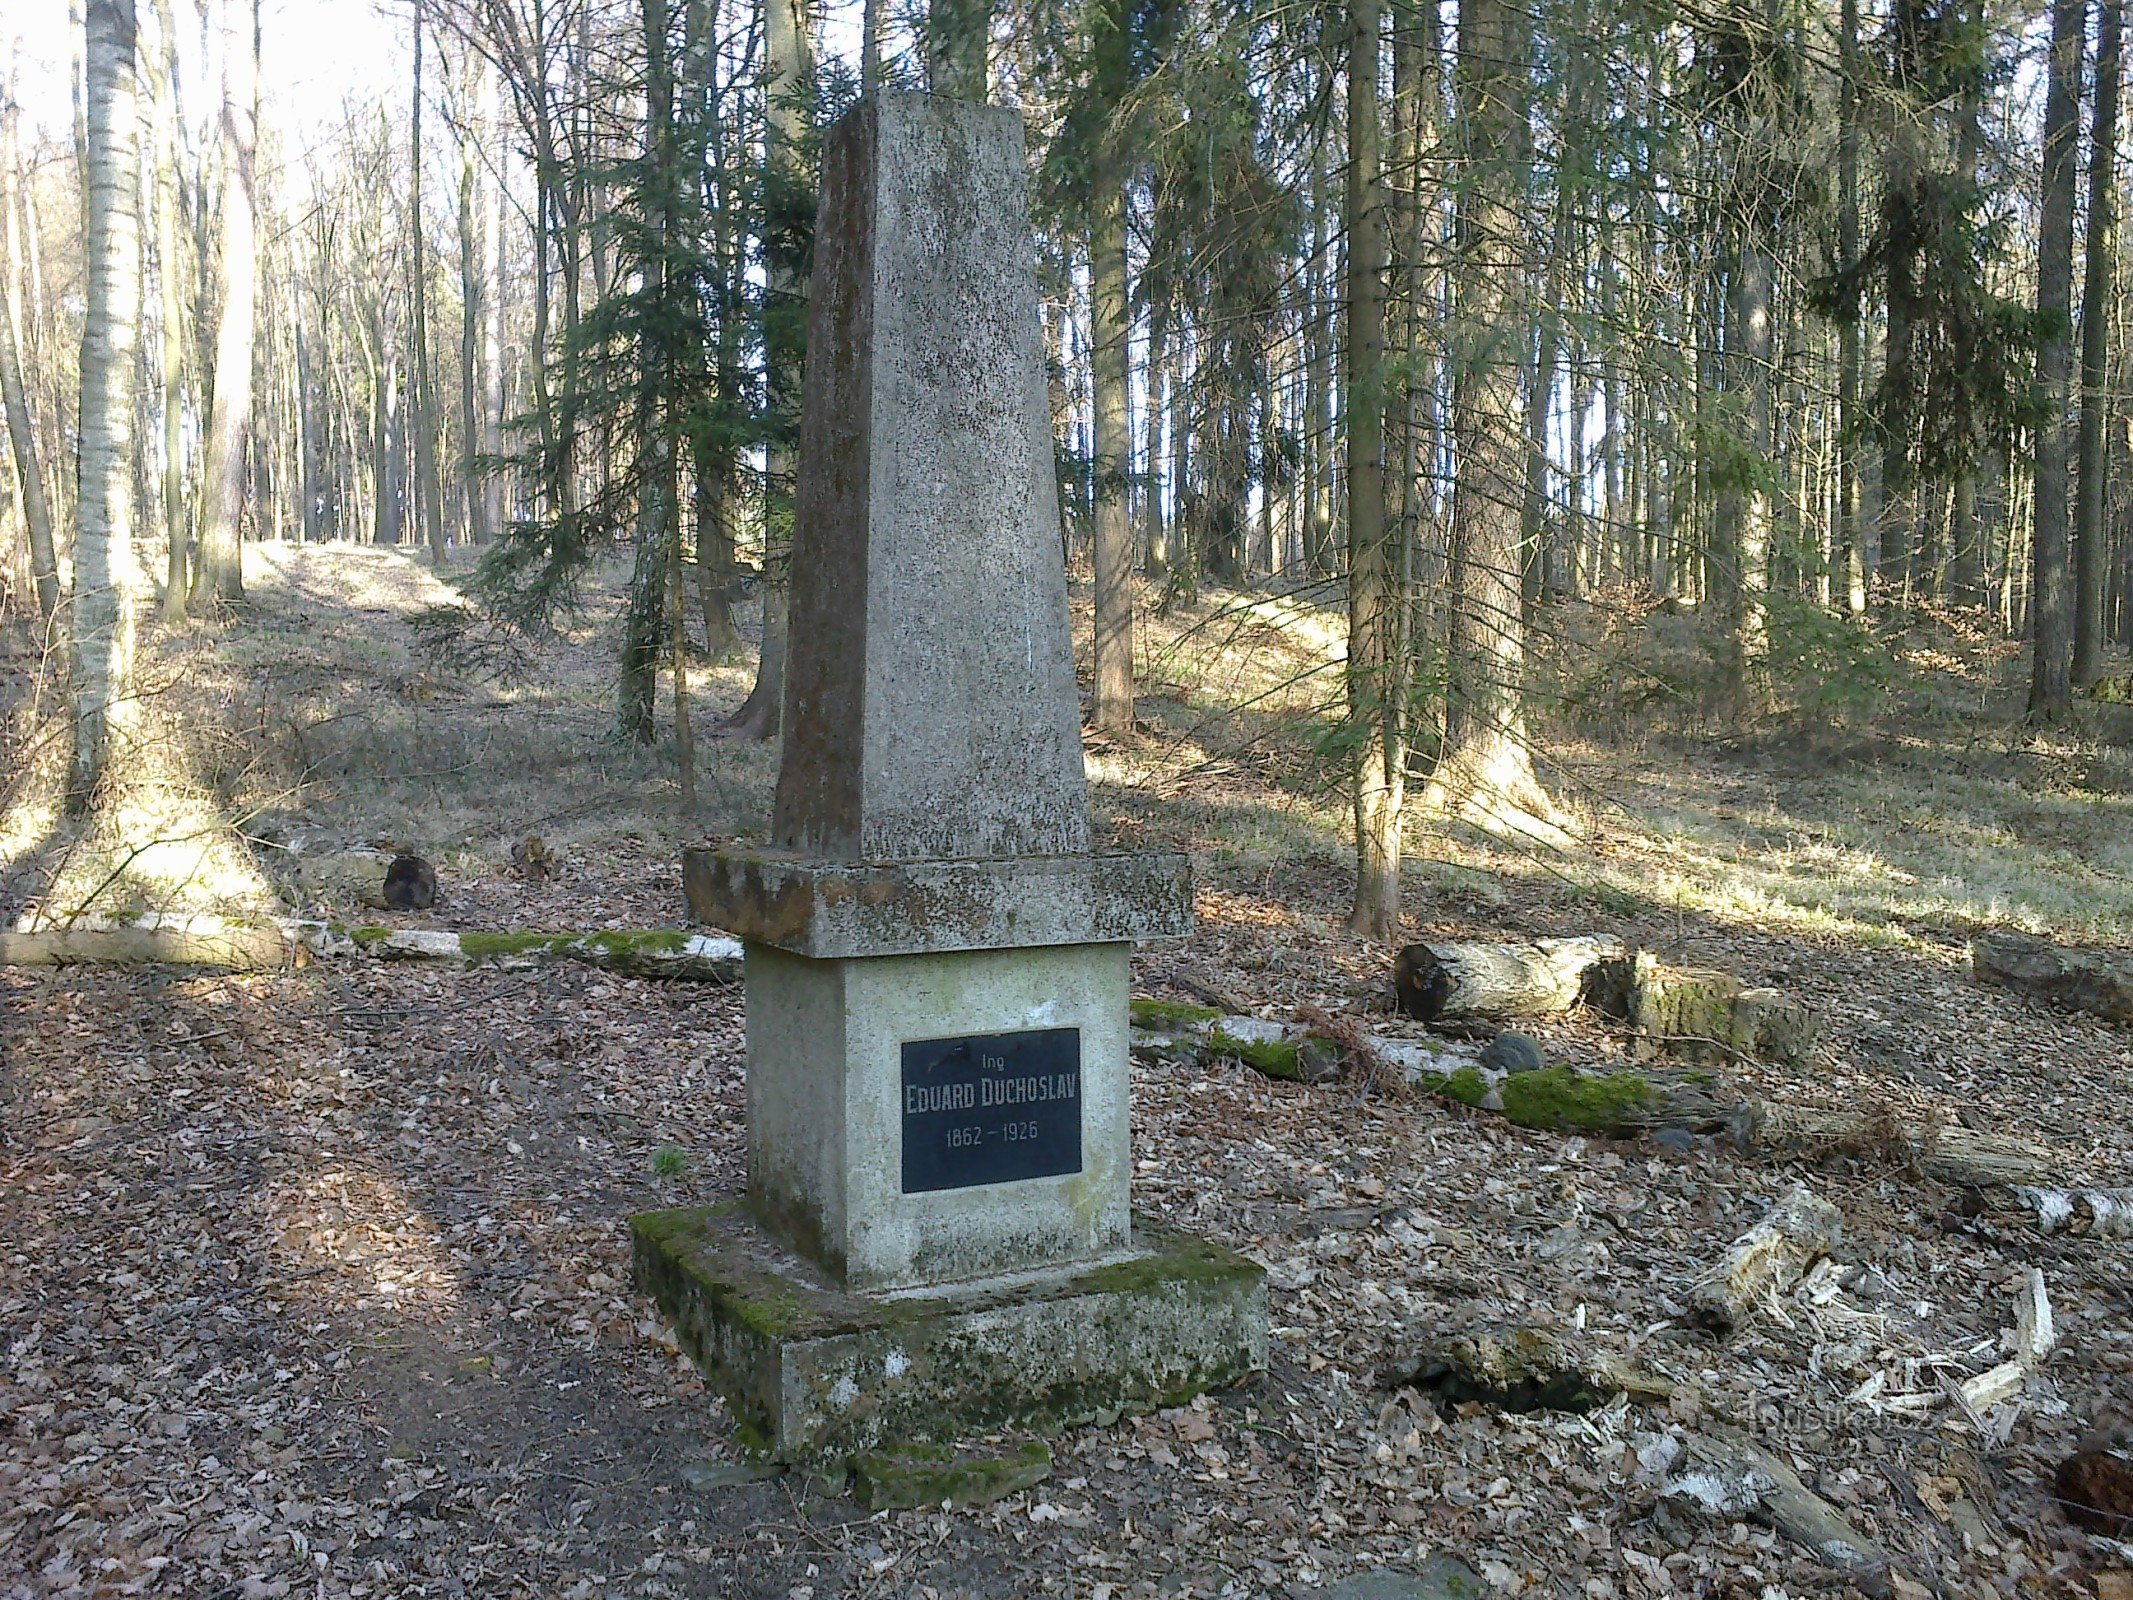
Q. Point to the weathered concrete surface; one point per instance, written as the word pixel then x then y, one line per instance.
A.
pixel 825 1120
pixel 910 1476
pixel 812 1371
pixel 832 909
pixel 930 707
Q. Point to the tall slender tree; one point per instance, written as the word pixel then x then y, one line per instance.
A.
pixel 106 576
pixel 1377 691
pixel 788 90
pixel 170 286
pixel 2052 585
pixel 221 577
pixel 2091 534
pixel 14 393
pixel 1486 765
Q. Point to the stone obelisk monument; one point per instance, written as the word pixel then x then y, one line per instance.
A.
pixel 936 1238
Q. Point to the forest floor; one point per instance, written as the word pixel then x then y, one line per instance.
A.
pixel 316 1282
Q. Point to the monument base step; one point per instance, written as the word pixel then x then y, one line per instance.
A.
pixel 813 1371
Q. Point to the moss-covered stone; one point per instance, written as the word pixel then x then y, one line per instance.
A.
pixel 911 1476
pixel 813 1372
pixel 1167 1015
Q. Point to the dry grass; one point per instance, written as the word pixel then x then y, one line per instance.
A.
pixel 1934 814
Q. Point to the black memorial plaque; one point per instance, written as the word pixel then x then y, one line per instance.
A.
pixel 991 1108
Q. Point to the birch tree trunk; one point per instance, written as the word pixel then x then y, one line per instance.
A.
pixel 106 579
pixel 221 576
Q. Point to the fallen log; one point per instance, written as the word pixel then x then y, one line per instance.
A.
pixel 1766 1261
pixel 2098 982
pixel 2083 1213
pixel 1450 982
pixel 185 941
pixel 234 945
pixel 1522 1370
pixel 1723 1474
pixel 1945 1152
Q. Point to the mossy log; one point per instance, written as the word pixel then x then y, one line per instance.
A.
pixel 642 953
pixel 208 941
pixel 1521 1369
pixel 2098 982
pixel 1724 1475
pixel 1454 982
pixel 1617 1104
pixel 1767 1260
pixel 1702 1015
pixel 1950 1154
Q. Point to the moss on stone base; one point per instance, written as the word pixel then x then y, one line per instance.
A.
pixel 911 1476
pixel 814 1372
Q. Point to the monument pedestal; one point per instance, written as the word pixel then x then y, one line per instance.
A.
pixel 937 1238
pixel 815 1372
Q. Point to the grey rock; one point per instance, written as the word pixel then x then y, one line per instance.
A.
pixel 704 1477
pixel 1513 1052
pixel 1678 1140
pixel 1442 1577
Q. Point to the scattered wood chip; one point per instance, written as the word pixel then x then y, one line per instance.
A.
pixel 1767 1260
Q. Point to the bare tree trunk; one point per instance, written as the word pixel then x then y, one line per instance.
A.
pixel 474 219
pixel 177 528
pixel 1377 686
pixel 36 509
pixel 1740 523
pixel 1109 332
pixel 788 86
pixel 220 580
pixel 422 399
pixel 1318 390
pixel 1850 576
pixel 1486 766
pixel 2052 608
pixel 2091 537
pixel 106 578
pixel 495 207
